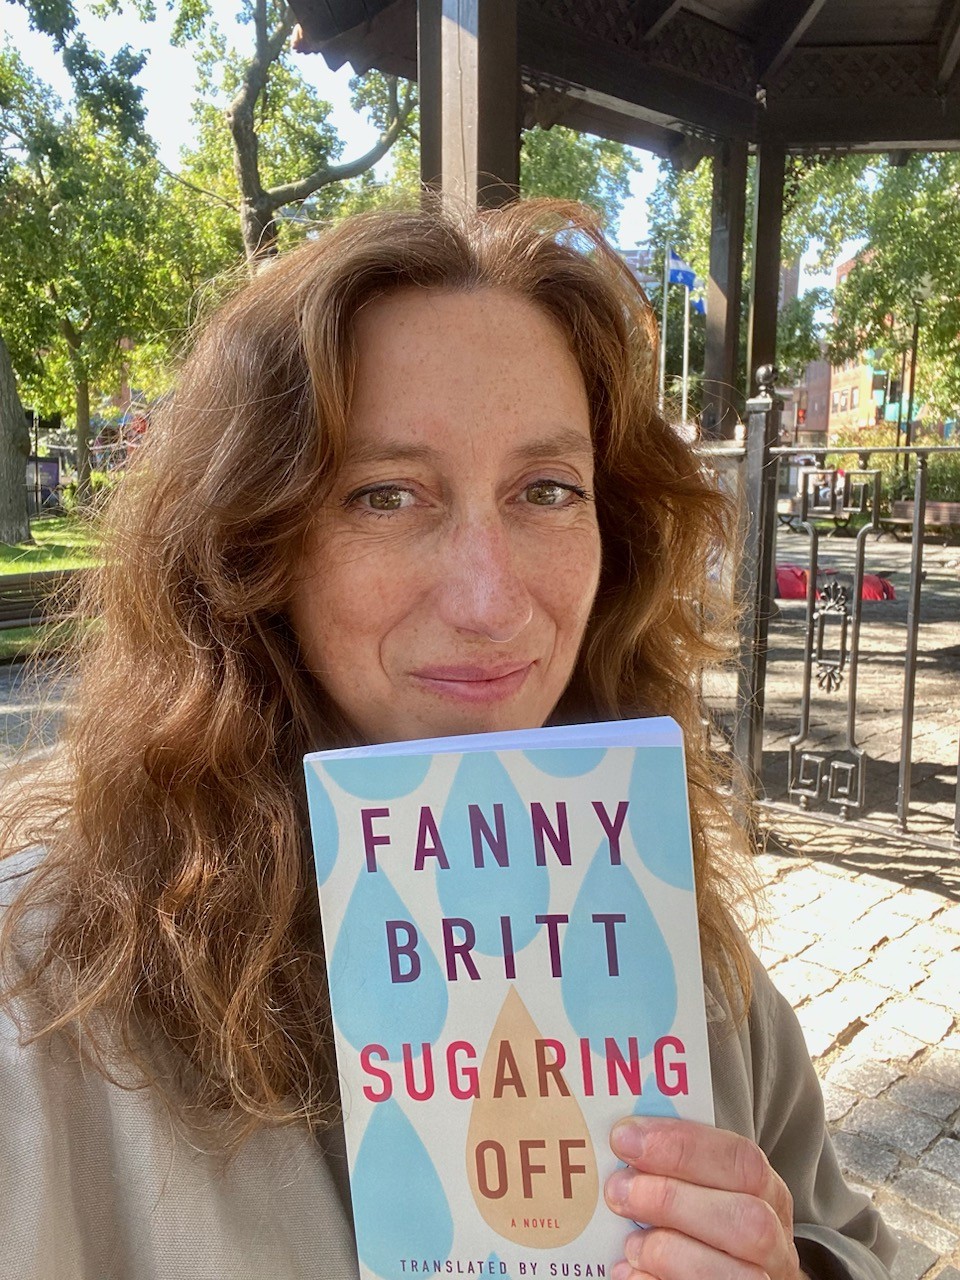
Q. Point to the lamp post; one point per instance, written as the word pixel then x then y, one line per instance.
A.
pixel 922 292
pixel 903 387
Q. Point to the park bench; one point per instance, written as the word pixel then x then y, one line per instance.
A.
pixel 788 514
pixel 29 598
pixel 944 516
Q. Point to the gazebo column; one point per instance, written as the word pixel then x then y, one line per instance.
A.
pixel 469 99
pixel 721 402
pixel 767 225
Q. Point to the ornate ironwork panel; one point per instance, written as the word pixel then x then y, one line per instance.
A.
pixel 834 606
pixel 832 599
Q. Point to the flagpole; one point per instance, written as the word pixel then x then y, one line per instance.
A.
pixel 663 328
pixel 686 353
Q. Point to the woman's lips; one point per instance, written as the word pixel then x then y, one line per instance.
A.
pixel 474 684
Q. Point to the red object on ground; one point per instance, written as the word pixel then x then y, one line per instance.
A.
pixel 877 588
pixel 792 583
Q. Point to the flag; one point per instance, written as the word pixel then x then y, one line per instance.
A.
pixel 698 303
pixel 679 272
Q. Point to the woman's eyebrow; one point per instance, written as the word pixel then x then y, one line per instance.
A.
pixel 564 441
pixel 567 441
pixel 389 451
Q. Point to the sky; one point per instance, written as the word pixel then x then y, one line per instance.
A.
pixel 168 93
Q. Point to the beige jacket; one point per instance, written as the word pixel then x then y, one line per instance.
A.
pixel 97 1184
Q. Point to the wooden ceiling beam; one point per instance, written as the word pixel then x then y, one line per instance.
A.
pixel 781 24
pixel 871 124
pixel 948 52
pixel 655 14
pixel 619 74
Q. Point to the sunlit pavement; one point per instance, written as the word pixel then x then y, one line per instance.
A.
pixel 862 935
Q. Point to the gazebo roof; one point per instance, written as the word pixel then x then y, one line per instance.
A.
pixel 674 75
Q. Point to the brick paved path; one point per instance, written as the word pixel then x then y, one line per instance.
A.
pixel 863 937
pixel 29 710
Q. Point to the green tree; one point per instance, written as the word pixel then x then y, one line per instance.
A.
pixel 679 217
pixel 23 109
pixel 14 452
pixel 576 166
pixel 826 202
pixel 293 133
pixel 85 250
pixel 283 153
pixel 801 332
pixel 107 89
pixel 909 266
pixel 554 162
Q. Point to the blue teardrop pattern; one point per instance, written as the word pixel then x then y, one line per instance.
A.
pixel 323 824
pixel 483 894
pixel 379 777
pixel 657 815
pixel 567 762
pixel 641 1000
pixel 398 1200
pixel 370 1008
pixel 652 1102
pixel 496 1267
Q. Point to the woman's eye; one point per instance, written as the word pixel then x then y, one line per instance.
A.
pixel 383 498
pixel 550 493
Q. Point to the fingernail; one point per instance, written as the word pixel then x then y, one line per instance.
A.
pixel 621 1271
pixel 618 1186
pixel 627 1139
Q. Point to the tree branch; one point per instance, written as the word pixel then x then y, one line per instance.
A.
pixel 201 191
pixel 260 26
pixel 292 192
pixel 74 341
pixel 240 113
pixel 269 49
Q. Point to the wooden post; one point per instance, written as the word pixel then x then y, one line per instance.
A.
pixel 429 13
pixel 469 99
pixel 727 217
pixel 767 224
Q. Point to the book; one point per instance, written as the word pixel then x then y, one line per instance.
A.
pixel 513 955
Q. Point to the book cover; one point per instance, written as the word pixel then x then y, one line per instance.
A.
pixel 511 937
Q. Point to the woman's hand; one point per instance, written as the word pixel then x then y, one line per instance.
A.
pixel 716 1209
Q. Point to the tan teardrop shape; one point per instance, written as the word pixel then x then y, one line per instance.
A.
pixel 530 1159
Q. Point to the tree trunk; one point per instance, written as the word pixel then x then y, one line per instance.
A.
pixel 258 225
pixel 81 382
pixel 14 452
pixel 83 438
pixel 259 206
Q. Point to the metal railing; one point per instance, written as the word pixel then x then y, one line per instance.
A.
pixel 827 771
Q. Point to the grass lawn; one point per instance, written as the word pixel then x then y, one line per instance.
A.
pixel 20 643
pixel 62 542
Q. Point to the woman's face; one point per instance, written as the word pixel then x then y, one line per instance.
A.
pixel 448 580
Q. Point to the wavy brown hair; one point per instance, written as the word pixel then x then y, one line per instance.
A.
pixel 173 915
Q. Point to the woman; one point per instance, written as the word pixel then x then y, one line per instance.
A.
pixel 412 483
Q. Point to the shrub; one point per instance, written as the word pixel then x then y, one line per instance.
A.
pixel 102 484
pixel 943 471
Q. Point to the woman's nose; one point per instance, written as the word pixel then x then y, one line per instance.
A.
pixel 483 588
